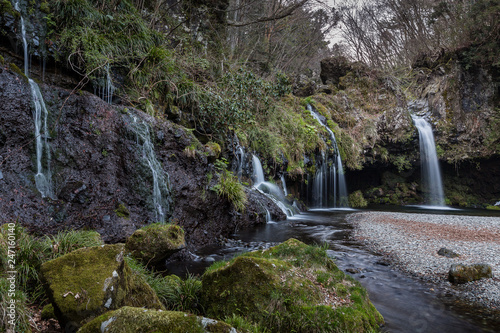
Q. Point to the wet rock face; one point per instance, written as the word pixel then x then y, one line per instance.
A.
pixel 97 168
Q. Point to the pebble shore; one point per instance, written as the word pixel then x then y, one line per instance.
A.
pixel 411 243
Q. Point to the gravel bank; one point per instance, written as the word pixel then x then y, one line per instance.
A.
pixel 411 242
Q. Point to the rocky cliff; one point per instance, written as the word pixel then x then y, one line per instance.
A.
pixel 100 180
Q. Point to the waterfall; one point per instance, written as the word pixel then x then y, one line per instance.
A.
pixel 258 172
pixel 272 191
pixel 432 184
pixel 329 185
pixel 241 159
pixel 283 183
pixel 104 87
pixel 43 176
pixel 161 182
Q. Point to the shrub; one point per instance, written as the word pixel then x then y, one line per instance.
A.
pixel 230 188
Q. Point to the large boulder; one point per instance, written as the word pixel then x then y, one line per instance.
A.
pixel 131 320
pixel 155 242
pixel 90 281
pixel 290 287
pixel 460 273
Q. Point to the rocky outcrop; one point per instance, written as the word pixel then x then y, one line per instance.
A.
pixel 87 282
pixel 131 320
pixel 290 287
pixel 99 177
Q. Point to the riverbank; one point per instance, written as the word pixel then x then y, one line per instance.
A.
pixel 410 242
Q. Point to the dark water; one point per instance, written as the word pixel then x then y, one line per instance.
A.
pixel 408 305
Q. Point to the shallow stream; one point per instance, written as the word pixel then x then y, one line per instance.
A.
pixel 407 304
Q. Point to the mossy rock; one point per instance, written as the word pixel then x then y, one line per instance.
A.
pixel 460 273
pixel 88 282
pixel 291 287
pixel 155 242
pixel 131 320
pixel 48 312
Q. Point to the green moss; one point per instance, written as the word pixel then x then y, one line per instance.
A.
pixel 18 71
pixel 6 7
pixel 88 282
pixel 122 211
pixel 285 288
pixel 155 242
pixel 131 320
pixel 490 207
pixel 48 312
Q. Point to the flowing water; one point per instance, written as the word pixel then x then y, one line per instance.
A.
pixel 432 184
pixel 272 191
pixel 407 304
pixel 329 185
pixel 43 176
pixel 161 183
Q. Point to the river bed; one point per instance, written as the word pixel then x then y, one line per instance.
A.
pixel 407 304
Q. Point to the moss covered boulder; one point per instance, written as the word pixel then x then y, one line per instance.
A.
pixel 88 282
pixel 291 287
pixel 155 242
pixel 131 320
pixel 460 273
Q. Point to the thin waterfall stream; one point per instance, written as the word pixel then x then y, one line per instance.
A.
pixel 43 176
pixel 329 186
pixel 161 184
pixel 432 184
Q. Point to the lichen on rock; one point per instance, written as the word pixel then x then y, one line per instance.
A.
pixel 290 287
pixel 88 282
pixel 155 242
pixel 130 319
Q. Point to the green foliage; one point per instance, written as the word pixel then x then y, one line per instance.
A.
pixel 239 99
pixel 230 188
pixel 31 252
pixel 401 162
pixel 23 313
pixel 357 200
pixel 175 293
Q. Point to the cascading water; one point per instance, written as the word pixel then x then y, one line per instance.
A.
pixel 43 176
pixel 283 183
pixel 161 182
pixel 272 191
pixel 432 184
pixel 104 87
pixel 329 185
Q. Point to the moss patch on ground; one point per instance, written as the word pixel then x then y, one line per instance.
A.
pixel 291 287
